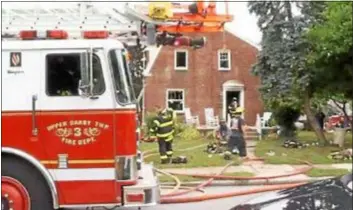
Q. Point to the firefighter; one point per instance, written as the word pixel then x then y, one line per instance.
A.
pixel 171 114
pixel 237 140
pixel 152 133
pixel 232 108
pixel 152 128
pixel 223 131
pixel 164 130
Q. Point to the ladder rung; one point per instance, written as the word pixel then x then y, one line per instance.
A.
pixel 92 18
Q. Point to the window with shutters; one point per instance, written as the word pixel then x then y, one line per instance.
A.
pixel 176 99
pixel 224 60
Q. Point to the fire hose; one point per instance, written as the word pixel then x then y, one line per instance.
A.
pixel 166 200
pixel 166 197
pixel 222 177
pixel 170 197
pixel 177 181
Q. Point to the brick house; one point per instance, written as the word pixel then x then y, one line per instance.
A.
pixel 205 78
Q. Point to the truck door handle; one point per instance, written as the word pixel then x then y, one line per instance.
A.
pixel 34 122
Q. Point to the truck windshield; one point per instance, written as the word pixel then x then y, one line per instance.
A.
pixel 122 78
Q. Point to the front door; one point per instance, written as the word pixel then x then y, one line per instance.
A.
pixel 77 130
pixel 230 95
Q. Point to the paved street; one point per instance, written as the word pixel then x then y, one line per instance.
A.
pixel 219 204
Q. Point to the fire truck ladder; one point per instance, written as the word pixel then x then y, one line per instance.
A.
pixel 84 17
pixel 124 23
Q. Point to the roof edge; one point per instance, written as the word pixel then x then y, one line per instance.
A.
pixel 257 46
pixel 153 54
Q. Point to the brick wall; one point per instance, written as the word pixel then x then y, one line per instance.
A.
pixel 203 81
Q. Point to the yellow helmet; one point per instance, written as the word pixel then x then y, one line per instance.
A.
pixel 239 110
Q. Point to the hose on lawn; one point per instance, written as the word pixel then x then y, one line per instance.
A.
pixel 181 187
pixel 223 177
pixel 176 180
pixel 204 184
pixel 170 197
pixel 166 198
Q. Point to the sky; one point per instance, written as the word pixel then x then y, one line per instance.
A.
pixel 243 25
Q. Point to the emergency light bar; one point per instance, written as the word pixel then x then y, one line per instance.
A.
pixel 60 34
pixel 50 34
pixel 95 34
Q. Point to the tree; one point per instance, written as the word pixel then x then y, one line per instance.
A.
pixel 136 68
pixel 136 65
pixel 332 51
pixel 281 63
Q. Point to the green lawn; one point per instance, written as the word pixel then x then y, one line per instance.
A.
pixel 315 154
pixel 318 172
pixel 164 178
pixel 189 138
pixel 196 158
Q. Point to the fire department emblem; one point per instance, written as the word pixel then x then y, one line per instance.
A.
pixel 15 59
pixel 78 132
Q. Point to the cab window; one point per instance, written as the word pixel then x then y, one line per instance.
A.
pixel 122 78
pixel 64 73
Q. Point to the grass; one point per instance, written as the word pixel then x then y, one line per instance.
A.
pixel 314 154
pixel 318 172
pixel 197 157
pixel 164 178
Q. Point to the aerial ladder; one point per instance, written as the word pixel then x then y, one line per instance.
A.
pixel 155 23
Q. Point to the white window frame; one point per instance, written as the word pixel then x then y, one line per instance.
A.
pixel 229 60
pixel 186 62
pixel 167 99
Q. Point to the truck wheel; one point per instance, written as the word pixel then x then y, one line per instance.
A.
pixel 23 187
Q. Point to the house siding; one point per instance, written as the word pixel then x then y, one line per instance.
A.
pixel 202 81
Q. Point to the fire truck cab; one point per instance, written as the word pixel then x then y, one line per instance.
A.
pixel 69 128
pixel 69 122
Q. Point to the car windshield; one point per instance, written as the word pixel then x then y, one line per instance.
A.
pixel 122 78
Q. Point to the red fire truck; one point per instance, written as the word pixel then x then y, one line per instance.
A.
pixel 69 126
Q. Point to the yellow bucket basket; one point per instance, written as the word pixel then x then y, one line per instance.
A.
pixel 160 10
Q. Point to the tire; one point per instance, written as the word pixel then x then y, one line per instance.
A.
pixel 31 179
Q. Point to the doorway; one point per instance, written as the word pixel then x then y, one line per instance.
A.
pixel 230 94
